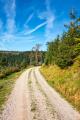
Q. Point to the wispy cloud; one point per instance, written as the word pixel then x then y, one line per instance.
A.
pixel 26 26
pixel 10 10
pixel 2 46
pixel 29 18
pixel 35 29
pixel 49 16
pixel 50 19
pixel 26 34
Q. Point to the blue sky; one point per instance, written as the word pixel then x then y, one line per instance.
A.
pixel 24 23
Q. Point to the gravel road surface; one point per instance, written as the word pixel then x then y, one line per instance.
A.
pixel 33 99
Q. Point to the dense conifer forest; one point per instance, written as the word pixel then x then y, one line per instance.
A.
pixel 65 49
pixel 11 61
pixel 62 62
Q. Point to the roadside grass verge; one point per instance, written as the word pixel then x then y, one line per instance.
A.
pixel 65 81
pixel 5 71
pixel 6 85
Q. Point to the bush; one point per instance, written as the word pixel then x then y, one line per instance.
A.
pixel 7 71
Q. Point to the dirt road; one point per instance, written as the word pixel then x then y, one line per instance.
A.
pixel 33 99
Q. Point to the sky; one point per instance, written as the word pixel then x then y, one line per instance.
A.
pixel 24 23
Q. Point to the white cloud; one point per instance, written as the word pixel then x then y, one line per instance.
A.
pixel 42 15
pixel 50 19
pixel 26 34
pixel 2 46
pixel 9 34
pixel 29 18
pixel 6 37
pixel 30 31
pixel 10 10
pixel 49 16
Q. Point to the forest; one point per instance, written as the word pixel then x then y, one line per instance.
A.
pixel 62 62
pixel 13 61
pixel 65 48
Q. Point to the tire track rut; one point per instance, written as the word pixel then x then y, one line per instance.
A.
pixel 33 99
pixel 40 107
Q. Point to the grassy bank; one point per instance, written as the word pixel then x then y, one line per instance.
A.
pixel 5 71
pixel 65 81
pixel 6 85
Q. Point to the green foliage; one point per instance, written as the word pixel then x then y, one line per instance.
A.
pixel 11 62
pixel 6 85
pixel 15 61
pixel 63 50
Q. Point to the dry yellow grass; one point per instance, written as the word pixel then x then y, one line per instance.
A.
pixel 65 81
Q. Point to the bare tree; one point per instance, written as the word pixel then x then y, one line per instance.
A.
pixel 37 48
pixel 32 55
pixel 35 52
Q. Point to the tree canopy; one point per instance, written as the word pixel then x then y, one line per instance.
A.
pixel 65 48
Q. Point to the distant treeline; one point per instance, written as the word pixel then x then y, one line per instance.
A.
pixel 15 61
pixel 65 48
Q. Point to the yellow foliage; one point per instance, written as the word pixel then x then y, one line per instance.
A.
pixel 65 81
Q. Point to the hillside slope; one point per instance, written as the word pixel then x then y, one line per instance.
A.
pixel 65 81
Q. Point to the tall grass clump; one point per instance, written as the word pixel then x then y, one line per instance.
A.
pixel 65 81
